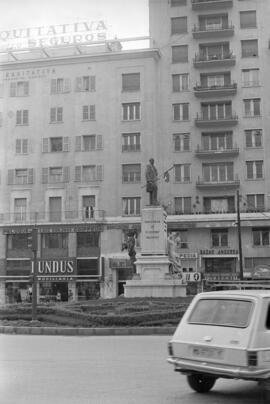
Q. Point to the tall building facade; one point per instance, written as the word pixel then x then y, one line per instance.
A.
pixel 213 129
pixel 78 126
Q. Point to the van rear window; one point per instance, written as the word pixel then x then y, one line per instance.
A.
pixel 222 312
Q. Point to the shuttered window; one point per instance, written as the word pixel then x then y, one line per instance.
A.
pixel 180 54
pixel 131 82
pixel 178 25
pixel 249 48
pixel 60 85
pixel 88 173
pixel 248 19
pixel 56 115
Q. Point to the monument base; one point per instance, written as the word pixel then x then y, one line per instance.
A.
pixel 152 279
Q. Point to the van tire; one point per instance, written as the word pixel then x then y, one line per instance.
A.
pixel 200 382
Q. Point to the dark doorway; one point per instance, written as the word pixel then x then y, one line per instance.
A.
pixel 61 287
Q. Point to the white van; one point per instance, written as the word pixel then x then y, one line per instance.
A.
pixel 224 334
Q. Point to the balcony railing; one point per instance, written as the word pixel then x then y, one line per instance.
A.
pixel 211 4
pixel 227 183
pixel 131 148
pixel 204 31
pixel 229 120
pixel 215 90
pixel 219 152
pixel 226 59
pixel 69 216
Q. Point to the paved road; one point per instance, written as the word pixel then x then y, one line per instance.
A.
pixel 102 370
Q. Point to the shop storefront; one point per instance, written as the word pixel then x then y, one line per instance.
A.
pixel 220 264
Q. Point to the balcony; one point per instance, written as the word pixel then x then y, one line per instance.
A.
pixel 204 61
pixel 85 215
pixel 230 184
pixel 203 31
pixel 215 91
pixel 229 120
pixel 221 152
pixel 205 5
pixel 131 148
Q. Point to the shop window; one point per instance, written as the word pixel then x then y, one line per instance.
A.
pixel 88 267
pixel 17 241
pixel 55 240
pixel 85 239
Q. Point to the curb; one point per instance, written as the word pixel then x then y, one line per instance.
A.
pixel 87 331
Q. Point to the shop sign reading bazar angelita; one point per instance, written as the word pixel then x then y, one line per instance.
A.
pixel 53 35
pixel 55 269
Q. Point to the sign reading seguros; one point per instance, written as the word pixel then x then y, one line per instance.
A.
pixel 53 35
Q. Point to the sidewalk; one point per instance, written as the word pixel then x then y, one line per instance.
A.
pixel 87 331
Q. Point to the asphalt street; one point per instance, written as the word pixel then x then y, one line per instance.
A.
pixel 102 370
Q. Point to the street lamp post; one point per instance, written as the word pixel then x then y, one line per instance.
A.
pixel 239 237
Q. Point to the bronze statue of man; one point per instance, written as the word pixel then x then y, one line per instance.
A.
pixel 151 176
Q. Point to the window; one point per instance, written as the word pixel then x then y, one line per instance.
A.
pixel 131 173
pixel 131 111
pixel 249 48
pixel 131 82
pixel 253 138
pixel 252 107
pixel 88 204
pixel 21 176
pixel 21 146
pixel 86 83
pixel 182 205
pixel 254 169
pixel 19 89
pixel 60 85
pixel 89 113
pixel 55 144
pixel 89 142
pixel 217 141
pixel 131 142
pixel 213 22
pixel 89 173
pixel 181 142
pixel 217 172
pixel 219 237
pixel 55 240
pixel 181 112
pixel 87 240
pixel 56 115
pixel 182 172
pixel 53 175
pixel 250 77
pixel 219 204
pixel 55 210
pixel 178 25
pixel 260 236
pixel 215 111
pixel 255 202
pixel 215 80
pixel 131 206
pixel 22 117
pixel 17 241
pixel 176 3
pixel 248 19
pixel 180 54
pixel 180 82
pixel 222 312
pixel 20 205
pixel 215 51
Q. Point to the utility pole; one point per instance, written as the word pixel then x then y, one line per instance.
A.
pixel 32 243
pixel 239 237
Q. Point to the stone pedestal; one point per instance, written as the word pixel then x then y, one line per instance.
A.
pixel 152 278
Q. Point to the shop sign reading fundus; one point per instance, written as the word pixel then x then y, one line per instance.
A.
pixel 53 35
pixel 55 268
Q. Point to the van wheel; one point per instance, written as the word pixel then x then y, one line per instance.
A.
pixel 200 382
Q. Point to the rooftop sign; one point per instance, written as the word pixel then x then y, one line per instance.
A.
pixel 53 35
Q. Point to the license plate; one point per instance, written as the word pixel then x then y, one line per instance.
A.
pixel 207 352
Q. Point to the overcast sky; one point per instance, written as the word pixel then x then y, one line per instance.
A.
pixel 125 18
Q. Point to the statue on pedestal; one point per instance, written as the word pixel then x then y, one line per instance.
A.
pixel 151 176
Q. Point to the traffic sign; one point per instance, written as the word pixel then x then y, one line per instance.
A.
pixel 192 276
